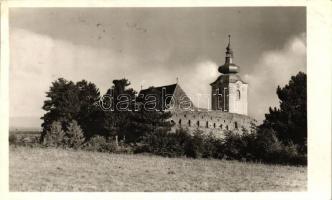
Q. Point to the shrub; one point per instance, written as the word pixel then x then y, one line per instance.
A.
pixel 161 142
pixel 194 145
pixel 181 143
pixel 213 147
pixel 99 144
pixel 234 145
pixel 74 135
pixel 13 139
pixel 55 136
pixel 269 149
pixel 124 148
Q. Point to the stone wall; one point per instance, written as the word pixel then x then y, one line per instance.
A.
pixel 211 121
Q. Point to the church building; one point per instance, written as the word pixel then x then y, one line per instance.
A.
pixel 229 102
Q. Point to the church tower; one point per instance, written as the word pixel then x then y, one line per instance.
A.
pixel 229 92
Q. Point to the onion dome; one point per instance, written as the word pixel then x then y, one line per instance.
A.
pixel 229 67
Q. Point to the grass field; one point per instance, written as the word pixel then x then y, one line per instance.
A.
pixel 41 169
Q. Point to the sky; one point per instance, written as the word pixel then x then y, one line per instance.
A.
pixel 152 47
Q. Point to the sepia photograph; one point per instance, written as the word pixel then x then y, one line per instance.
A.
pixel 158 99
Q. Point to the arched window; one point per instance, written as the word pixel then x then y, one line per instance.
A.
pixel 198 123
pixel 180 122
pixel 214 125
pixel 189 122
pixel 235 125
pixel 238 95
pixel 207 124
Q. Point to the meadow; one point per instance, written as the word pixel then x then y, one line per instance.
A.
pixel 50 169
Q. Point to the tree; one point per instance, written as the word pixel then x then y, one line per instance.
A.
pixel 143 122
pixel 120 106
pixel 290 120
pixel 62 105
pixel 54 136
pixel 68 101
pixel 74 136
pixel 134 121
pixel 90 117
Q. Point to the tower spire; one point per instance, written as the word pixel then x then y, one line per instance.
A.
pixel 229 51
pixel 229 41
pixel 228 66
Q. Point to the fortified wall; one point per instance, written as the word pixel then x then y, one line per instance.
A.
pixel 211 121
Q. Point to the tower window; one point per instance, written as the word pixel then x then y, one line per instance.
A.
pixel 226 127
pixel 220 126
pixel 214 125
pixel 235 125
pixel 207 124
pixel 198 123
pixel 238 95
pixel 189 122
pixel 180 122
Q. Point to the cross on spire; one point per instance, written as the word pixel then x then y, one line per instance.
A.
pixel 229 43
pixel 229 52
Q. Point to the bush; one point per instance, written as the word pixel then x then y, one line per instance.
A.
pixel 181 143
pixel 213 147
pixel 262 146
pixel 269 149
pixel 239 146
pixel 99 144
pixel 74 136
pixel 55 136
pixel 13 139
pixel 163 143
pixel 194 145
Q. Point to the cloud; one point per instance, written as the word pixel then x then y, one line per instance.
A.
pixel 274 68
pixel 196 81
pixel 37 60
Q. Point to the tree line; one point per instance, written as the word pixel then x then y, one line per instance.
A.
pixel 68 101
pixel 73 115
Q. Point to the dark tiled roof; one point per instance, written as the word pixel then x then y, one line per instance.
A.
pixel 169 90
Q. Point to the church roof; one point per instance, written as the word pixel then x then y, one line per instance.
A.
pixel 162 94
pixel 168 89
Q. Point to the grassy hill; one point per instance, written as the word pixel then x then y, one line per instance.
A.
pixel 39 169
